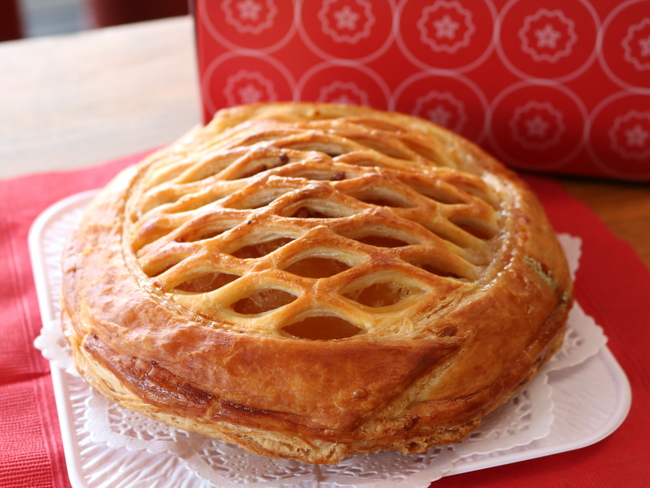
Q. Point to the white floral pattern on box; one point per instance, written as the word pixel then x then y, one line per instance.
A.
pixel 548 35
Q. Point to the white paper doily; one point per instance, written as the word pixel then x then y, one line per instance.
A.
pixel 110 446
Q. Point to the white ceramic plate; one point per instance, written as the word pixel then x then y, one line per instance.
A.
pixel 590 400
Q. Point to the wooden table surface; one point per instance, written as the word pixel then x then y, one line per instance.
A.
pixel 78 100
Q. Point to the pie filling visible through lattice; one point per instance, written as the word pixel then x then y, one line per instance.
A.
pixel 315 281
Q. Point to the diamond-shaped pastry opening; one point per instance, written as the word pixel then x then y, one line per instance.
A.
pixel 380 293
pixel 379 235
pixel 320 175
pixel 390 147
pixel 328 145
pixel 151 231
pixel 382 197
pixel 202 229
pixel 366 123
pixel 262 301
pixel 423 149
pixel 382 241
pixel 317 267
pixel 207 166
pixel 258 199
pixel 257 166
pixel 317 209
pixel 158 197
pixel 305 212
pixel 363 159
pixel 159 266
pixel 476 227
pixel 448 196
pixel 206 282
pixel 484 193
pixel 448 233
pixel 445 269
pixel 323 328
pixel 260 249
pixel 204 235
pixel 195 198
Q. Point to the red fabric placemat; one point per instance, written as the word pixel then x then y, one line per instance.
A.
pixel 613 286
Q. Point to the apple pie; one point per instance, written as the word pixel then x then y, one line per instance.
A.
pixel 313 281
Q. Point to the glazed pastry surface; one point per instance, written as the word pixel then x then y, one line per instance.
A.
pixel 315 281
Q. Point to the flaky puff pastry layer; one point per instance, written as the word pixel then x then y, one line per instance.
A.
pixel 315 281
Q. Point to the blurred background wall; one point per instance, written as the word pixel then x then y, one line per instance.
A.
pixel 35 18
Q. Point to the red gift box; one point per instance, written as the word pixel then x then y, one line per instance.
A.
pixel 558 86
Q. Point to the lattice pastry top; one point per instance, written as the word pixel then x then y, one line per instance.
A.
pixel 315 281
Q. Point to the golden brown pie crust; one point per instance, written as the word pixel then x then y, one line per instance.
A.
pixel 315 281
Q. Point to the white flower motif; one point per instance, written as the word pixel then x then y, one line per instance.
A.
pixel 347 93
pixel 554 32
pixel 637 44
pixel 343 98
pixel 537 125
pixel 249 9
pixel 250 16
pixel 630 135
pixel 249 93
pixel 347 21
pixel 249 87
pixel 346 18
pixel 547 37
pixel 443 109
pixel 637 136
pixel 446 26
pixel 644 44
pixel 439 115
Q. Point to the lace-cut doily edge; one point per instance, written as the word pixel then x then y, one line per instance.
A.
pixel 601 416
pixel 540 410
pixel 615 405
pixel 322 478
pixel 116 427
